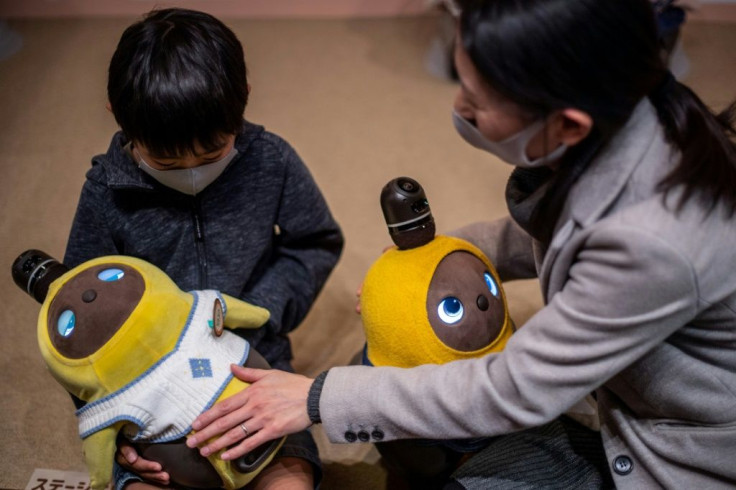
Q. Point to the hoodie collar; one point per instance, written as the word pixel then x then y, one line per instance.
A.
pixel 121 170
pixel 123 173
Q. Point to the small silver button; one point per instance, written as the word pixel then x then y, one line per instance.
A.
pixel 622 465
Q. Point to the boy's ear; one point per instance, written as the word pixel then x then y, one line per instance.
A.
pixel 247 88
pixel 108 106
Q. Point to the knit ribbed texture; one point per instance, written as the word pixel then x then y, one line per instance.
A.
pixel 559 455
pixel 313 398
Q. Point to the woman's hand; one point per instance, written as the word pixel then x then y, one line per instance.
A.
pixel 129 459
pixel 274 405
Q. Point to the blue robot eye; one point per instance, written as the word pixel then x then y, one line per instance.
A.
pixel 491 283
pixel 65 324
pixel 450 310
pixel 110 275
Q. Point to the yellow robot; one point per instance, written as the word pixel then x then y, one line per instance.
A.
pixel 431 299
pixel 145 358
pixel 428 300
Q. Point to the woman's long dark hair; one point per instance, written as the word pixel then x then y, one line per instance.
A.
pixel 601 57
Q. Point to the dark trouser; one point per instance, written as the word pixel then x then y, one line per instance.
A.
pixel 427 464
pixel 560 455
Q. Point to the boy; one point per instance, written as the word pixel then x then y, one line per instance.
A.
pixel 213 200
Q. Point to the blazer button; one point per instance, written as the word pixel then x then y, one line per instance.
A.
pixel 363 436
pixel 623 465
pixel 377 434
pixel 350 436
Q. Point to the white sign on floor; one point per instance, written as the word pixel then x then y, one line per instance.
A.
pixel 44 479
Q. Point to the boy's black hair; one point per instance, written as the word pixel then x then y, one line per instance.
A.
pixel 178 77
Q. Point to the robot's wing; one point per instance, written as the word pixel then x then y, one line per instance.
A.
pixel 99 452
pixel 244 315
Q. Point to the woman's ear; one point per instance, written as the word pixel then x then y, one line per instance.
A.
pixel 108 106
pixel 574 126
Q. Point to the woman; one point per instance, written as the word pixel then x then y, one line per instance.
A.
pixel 622 203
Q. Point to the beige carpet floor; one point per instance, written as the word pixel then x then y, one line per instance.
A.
pixel 352 96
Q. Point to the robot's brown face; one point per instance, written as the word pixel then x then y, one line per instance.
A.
pixel 89 308
pixel 464 303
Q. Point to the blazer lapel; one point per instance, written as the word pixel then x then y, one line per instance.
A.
pixel 597 190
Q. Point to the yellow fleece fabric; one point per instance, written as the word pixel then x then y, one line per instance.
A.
pixel 141 342
pixel 394 306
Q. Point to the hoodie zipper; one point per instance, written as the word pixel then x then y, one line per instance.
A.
pixel 200 245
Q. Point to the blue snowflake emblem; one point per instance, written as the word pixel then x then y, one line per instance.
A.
pixel 201 368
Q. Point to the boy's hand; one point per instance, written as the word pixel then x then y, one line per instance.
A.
pixel 139 485
pixel 128 458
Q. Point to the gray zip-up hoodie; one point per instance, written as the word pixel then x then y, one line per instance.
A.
pixel 261 231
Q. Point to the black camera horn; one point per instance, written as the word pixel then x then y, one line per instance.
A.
pixel 407 213
pixel 33 272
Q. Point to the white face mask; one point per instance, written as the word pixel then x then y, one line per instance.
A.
pixel 511 150
pixel 188 180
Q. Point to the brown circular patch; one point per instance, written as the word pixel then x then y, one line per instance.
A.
pixel 461 275
pixel 96 321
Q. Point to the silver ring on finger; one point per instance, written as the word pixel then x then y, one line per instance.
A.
pixel 245 429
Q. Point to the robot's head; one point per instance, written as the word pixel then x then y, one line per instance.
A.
pixel 89 309
pixel 433 304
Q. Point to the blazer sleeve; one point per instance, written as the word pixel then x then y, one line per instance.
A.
pixel 307 248
pixel 507 246
pixel 627 291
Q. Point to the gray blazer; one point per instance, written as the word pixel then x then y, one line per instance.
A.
pixel 640 309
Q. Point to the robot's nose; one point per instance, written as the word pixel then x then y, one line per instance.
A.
pixel 482 302
pixel 89 295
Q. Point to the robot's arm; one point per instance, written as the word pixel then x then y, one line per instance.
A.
pixel 244 315
pixel 99 453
